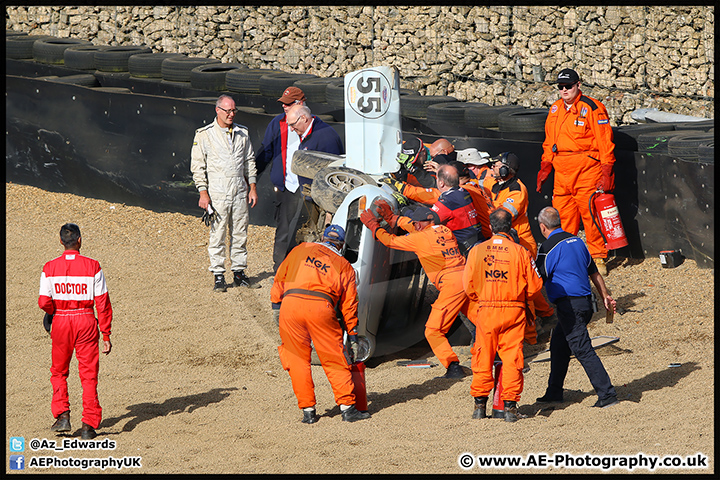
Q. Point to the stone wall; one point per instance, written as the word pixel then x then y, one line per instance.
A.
pixel 628 57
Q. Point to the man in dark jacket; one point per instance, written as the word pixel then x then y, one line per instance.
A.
pixel 279 144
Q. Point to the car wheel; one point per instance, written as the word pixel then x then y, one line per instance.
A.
pixel 332 184
pixel 177 69
pixel 307 163
pixel 52 50
pixel 212 76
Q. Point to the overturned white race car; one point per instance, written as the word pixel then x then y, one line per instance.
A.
pixel 391 283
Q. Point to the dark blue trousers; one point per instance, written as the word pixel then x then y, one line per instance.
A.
pixel 571 337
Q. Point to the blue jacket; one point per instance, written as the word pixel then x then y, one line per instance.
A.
pixel 565 264
pixel 322 137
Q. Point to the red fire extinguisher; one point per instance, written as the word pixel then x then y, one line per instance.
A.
pixel 604 210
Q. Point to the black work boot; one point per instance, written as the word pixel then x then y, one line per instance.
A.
pixel 240 279
pixel 454 370
pixel 511 411
pixel 548 398
pixel 87 432
pixel 220 285
pixel 309 416
pixel 352 414
pixel 62 424
pixel 480 408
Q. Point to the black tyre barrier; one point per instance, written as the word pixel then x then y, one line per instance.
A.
pixel 626 137
pixel 52 50
pixel 657 143
pixel 332 184
pixel 83 79
pixel 13 33
pixel 274 84
pixel 335 93
pixel 20 47
pixel 115 59
pixel 314 88
pixel 706 152
pixel 212 76
pixel 408 91
pixel 149 65
pixel 247 80
pixel 525 120
pixel 685 147
pixel 451 112
pixel 703 125
pixel 82 57
pixel 486 117
pixel 416 105
pixel 307 163
pixel 177 69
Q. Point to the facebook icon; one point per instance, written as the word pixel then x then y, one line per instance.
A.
pixel 17 462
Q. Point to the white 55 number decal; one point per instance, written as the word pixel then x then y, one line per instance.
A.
pixel 369 93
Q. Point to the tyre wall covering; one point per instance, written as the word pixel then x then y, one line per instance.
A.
pixel 135 148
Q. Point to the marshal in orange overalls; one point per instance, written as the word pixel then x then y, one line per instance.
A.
pixel 501 277
pixel 443 263
pixel 578 143
pixel 312 279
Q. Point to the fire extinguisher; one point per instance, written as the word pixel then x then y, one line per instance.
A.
pixel 604 210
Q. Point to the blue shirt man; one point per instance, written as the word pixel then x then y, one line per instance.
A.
pixel 565 265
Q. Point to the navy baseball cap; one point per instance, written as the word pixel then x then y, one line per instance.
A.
pixel 567 76
pixel 423 214
pixel 334 232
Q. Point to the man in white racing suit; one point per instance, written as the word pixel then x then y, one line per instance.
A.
pixel 223 168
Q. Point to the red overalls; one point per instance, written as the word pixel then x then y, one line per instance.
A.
pixel 69 287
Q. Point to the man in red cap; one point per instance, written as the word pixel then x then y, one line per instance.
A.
pixel 579 146
pixel 278 147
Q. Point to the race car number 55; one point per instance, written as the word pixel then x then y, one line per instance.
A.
pixel 369 94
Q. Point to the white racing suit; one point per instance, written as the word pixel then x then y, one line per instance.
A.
pixel 222 162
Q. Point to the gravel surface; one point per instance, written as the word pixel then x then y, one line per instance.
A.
pixel 194 383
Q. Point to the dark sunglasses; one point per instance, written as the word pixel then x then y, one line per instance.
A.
pixel 566 87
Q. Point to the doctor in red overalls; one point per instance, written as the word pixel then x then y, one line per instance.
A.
pixel 69 287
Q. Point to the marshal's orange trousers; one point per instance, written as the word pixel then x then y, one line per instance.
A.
pixel 304 319
pixel 576 178
pixel 451 301
pixel 500 329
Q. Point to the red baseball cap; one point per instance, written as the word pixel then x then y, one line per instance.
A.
pixel 291 94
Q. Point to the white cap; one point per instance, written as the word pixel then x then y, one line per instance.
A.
pixel 471 156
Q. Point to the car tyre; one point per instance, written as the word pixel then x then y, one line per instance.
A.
pixel 52 50
pixel 525 120
pixel 331 184
pixel 212 76
pixel 177 69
